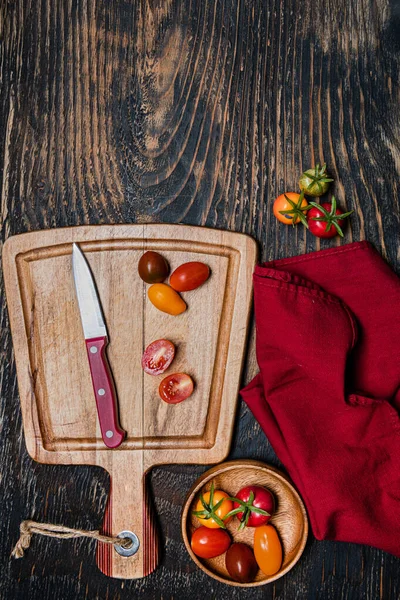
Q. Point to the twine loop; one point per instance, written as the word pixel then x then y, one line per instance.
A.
pixel 28 528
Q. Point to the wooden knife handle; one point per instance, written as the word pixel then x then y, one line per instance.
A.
pixel 104 391
pixel 129 508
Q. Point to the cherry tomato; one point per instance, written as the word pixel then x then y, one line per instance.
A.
pixel 267 549
pixel 289 208
pixel 152 267
pixel 158 356
pixel 176 388
pixel 326 220
pixel 315 182
pixel 208 543
pixel 189 276
pixel 240 563
pixel 212 507
pixel 166 299
pixel 255 501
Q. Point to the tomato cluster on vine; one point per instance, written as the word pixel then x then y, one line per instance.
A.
pixel 324 220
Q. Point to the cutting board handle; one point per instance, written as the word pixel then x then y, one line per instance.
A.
pixel 129 508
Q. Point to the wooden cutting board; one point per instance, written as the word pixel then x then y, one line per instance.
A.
pixel 57 401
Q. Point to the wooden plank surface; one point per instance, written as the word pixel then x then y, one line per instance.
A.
pixel 200 113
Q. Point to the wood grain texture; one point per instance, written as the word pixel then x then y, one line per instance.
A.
pixel 194 112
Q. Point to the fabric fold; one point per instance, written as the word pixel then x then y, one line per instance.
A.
pixel 327 329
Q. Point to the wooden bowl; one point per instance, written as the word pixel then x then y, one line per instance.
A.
pixel 289 519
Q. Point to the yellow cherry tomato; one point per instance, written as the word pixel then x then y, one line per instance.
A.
pixel 166 299
pixel 225 507
pixel 267 549
pixel 289 208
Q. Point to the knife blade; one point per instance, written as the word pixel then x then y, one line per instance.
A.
pixel 96 340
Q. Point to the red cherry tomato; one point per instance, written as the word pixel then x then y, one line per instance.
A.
pixel 189 276
pixel 208 543
pixel 255 500
pixel 176 388
pixel 152 267
pixel 158 356
pixel 325 220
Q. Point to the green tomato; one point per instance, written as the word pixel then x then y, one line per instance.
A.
pixel 315 182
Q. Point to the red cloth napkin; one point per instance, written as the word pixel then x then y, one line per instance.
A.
pixel 327 395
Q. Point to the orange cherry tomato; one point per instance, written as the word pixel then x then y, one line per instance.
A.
pixel 208 543
pixel 189 276
pixel 176 388
pixel 166 299
pixel 282 204
pixel 267 549
pixel 225 507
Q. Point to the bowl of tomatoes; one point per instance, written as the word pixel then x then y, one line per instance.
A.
pixel 244 524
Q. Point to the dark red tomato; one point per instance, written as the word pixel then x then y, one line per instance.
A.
pixel 257 503
pixel 241 563
pixel 208 543
pixel 158 356
pixel 326 220
pixel 152 267
pixel 189 276
pixel 176 388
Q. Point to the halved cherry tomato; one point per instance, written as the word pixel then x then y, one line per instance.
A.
pixel 176 388
pixel 189 276
pixel 208 543
pixel 212 507
pixel 267 549
pixel 290 208
pixel 166 299
pixel 158 356
pixel 152 267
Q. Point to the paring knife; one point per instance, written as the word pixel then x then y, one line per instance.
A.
pixel 95 332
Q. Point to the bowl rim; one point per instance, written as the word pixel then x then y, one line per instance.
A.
pixel 226 466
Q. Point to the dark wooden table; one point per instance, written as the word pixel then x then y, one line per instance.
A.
pixel 199 113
